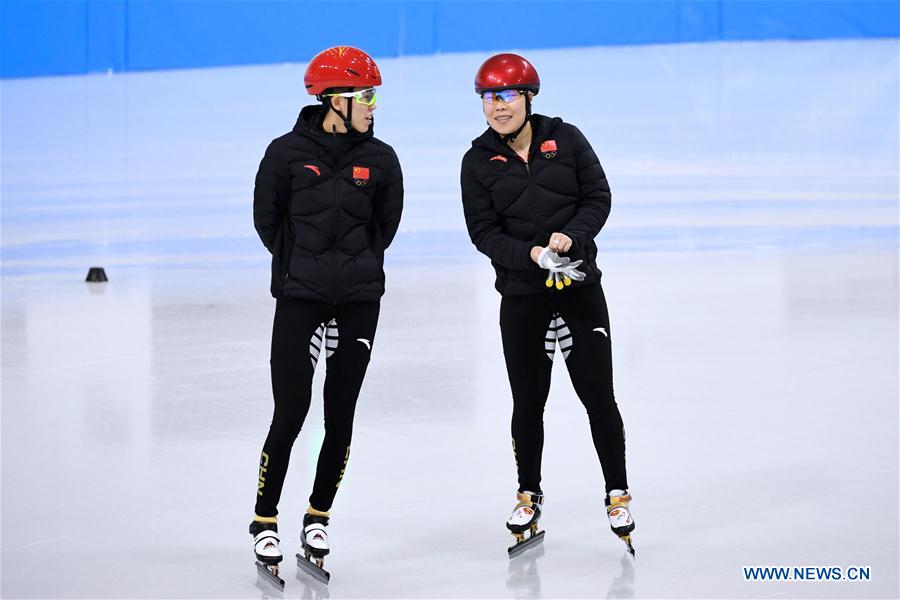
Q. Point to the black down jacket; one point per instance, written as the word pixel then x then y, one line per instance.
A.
pixel 512 205
pixel 327 207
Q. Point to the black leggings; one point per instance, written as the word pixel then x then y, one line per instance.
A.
pixel 303 333
pixel 575 322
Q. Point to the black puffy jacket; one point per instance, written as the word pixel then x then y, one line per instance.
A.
pixel 327 207
pixel 512 205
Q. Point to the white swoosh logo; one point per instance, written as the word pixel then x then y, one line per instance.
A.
pixel 365 342
pixel 601 330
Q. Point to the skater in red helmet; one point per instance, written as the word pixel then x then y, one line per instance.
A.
pixel 534 197
pixel 327 204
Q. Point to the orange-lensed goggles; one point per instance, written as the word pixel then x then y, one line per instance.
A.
pixel 494 97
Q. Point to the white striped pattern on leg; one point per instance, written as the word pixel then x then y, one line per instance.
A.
pixel 315 345
pixel 331 338
pixel 550 338
pixel 564 337
pixel 558 332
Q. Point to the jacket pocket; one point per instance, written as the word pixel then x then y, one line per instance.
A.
pixel 376 242
pixel 281 257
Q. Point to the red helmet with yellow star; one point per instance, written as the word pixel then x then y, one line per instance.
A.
pixel 341 67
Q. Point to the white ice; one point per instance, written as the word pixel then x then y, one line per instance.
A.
pixel 750 265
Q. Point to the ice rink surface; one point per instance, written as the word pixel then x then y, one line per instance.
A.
pixel 750 264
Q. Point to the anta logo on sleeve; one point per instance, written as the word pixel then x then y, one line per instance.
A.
pixel 499 157
pixel 548 149
pixel 360 175
pixel 314 169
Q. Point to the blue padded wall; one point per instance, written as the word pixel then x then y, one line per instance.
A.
pixel 42 37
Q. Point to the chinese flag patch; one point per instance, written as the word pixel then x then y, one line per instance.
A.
pixel 549 146
pixel 360 172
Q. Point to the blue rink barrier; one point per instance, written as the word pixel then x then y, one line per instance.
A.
pixel 41 37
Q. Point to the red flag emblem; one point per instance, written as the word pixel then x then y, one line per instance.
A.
pixel 360 172
pixel 549 146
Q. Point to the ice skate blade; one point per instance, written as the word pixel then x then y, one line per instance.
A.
pixel 627 540
pixel 269 576
pixel 311 569
pixel 520 547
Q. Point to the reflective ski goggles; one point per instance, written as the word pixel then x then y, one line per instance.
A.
pixel 506 95
pixel 364 97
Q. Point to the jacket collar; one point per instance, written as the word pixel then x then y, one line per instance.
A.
pixel 542 128
pixel 309 124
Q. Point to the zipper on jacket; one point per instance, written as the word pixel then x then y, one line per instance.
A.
pixel 289 232
pixel 539 213
pixel 334 219
pixel 523 161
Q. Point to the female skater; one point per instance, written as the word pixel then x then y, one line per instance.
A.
pixel 534 197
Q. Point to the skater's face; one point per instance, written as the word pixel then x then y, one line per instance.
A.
pixel 505 110
pixel 361 117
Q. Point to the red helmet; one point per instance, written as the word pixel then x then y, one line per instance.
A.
pixel 341 66
pixel 507 71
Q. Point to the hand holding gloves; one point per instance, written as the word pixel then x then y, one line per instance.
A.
pixel 560 269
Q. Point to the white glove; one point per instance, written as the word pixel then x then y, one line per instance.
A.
pixel 550 260
pixel 560 269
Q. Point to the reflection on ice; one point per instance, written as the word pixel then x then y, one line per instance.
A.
pixel 623 585
pixel 523 580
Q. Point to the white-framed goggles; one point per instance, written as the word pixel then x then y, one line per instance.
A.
pixel 365 97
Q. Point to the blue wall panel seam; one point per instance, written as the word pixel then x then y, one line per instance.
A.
pixel 126 37
pixel 87 36
pixel 434 27
pixel 720 16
